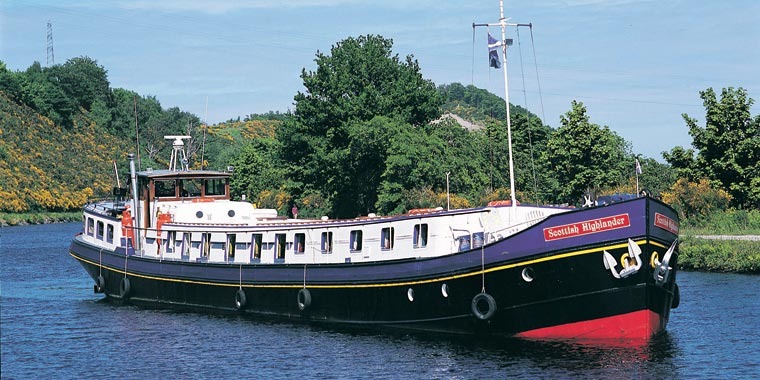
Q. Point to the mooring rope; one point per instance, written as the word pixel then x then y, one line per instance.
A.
pixel 482 269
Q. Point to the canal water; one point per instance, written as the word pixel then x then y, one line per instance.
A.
pixel 53 326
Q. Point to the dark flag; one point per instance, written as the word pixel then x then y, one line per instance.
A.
pixel 493 52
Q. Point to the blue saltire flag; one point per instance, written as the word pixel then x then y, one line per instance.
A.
pixel 493 52
pixel 638 167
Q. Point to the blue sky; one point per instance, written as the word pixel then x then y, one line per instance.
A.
pixel 637 65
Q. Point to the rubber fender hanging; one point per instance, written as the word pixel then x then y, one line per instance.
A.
pixel 483 306
pixel 676 297
pixel 304 299
pixel 100 284
pixel 240 299
pixel 124 288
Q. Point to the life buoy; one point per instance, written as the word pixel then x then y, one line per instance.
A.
pixel 100 284
pixel 483 306
pixel 124 288
pixel 304 299
pixel 676 297
pixel 240 299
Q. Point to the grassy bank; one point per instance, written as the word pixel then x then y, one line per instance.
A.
pixel 738 256
pixel 13 219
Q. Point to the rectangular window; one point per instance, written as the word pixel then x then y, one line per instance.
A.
pixel 356 241
pixel 190 188
pixel 100 230
pixel 420 235
pixel 256 248
pixel 464 243
pixel 477 240
pixel 184 246
pixel 205 244
pixel 300 243
pixel 215 186
pixel 327 239
pixel 231 246
pixel 279 249
pixel 90 226
pixel 171 236
pixel 109 233
pixel 386 238
pixel 165 188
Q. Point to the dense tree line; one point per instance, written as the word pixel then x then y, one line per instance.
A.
pixel 367 134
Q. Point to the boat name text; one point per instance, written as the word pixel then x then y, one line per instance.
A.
pixel 587 227
pixel 665 223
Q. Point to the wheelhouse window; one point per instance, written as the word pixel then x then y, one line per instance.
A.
pixel 327 242
pixel 109 233
pixel 420 235
pixel 256 249
pixel 190 188
pixel 356 240
pixel 386 238
pixel 215 186
pixel 165 188
pixel 300 243
pixel 90 226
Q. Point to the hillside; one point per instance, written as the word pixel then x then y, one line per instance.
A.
pixel 44 166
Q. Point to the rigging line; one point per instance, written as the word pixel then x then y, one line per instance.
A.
pixel 533 46
pixel 527 116
pixel 472 66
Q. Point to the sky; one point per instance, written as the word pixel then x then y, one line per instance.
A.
pixel 637 65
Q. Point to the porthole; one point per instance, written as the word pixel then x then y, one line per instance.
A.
pixel 445 290
pixel 410 294
pixel 199 214
pixel 231 213
pixel 528 274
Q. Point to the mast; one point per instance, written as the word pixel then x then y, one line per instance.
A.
pixel 503 25
pixel 504 43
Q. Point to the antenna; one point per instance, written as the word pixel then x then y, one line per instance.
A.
pixel 178 149
pixel 50 55
pixel 205 126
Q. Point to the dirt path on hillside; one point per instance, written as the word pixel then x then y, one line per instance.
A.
pixel 729 237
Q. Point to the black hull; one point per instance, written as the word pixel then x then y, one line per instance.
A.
pixel 569 285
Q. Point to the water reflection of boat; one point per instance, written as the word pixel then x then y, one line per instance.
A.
pixel 504 269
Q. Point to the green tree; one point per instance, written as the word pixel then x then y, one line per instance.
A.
pixel 256 169
pixel 10 83
pixel 84 81
pixel 728 146
pixel 584 155
pixel 359 80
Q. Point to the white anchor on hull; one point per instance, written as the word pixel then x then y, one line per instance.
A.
pixel 634 251
pixel 662 269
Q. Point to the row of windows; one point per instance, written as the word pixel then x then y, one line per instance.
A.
pixel 100 230
pixel 297 246
pixel 105 232
pixel 189 187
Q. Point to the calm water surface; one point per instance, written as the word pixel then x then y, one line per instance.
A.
pixel 53 326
